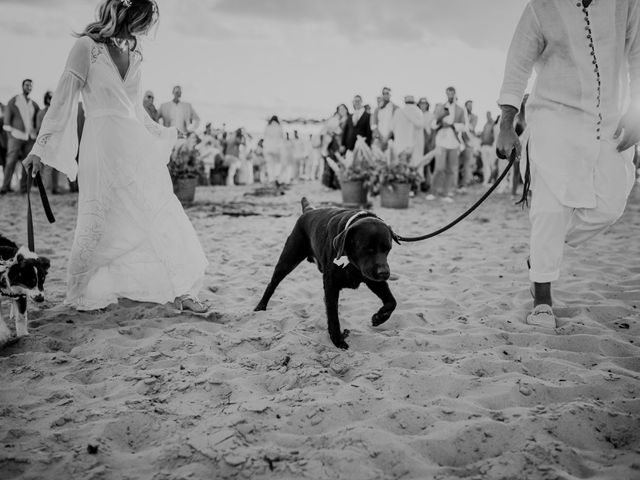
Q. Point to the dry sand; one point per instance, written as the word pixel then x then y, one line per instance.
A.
pixel 454 385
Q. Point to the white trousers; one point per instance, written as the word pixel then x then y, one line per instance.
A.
pixel 488 153
pixel 554 224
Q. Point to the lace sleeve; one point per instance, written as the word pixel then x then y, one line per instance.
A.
pixel 57 142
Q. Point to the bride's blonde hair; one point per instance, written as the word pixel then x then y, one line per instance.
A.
pixel 122 19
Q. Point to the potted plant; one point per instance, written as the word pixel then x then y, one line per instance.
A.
pixel 355 173
pixel 185 169
pixel 394 183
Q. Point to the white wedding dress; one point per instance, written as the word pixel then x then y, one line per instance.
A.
pixel 132 237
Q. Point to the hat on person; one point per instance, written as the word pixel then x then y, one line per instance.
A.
pixel 409 99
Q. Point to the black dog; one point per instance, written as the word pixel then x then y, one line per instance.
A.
pixel 349 247
pixel 22 274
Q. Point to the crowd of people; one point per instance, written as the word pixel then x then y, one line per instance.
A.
pixel 444 142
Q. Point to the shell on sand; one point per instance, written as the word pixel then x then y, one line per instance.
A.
pixel 454 385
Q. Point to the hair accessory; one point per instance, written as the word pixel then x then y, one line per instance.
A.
pixel 126 3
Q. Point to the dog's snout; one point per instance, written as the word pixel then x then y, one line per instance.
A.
pixel 382 272
pixel 38 298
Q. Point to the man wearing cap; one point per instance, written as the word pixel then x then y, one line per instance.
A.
pixel 407 126
pixel 583 117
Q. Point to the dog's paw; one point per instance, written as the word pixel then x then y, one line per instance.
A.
pixel 21 332
pixel 260 308
pixel 379 318
pixel 339 342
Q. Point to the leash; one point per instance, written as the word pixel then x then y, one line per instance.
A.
pixel 45 205
pixel 512 160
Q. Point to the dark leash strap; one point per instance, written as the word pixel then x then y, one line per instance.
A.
pixel 512 160
pixel 45 204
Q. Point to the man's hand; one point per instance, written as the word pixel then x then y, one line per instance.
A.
pixel 508 140
pixel 630 125
pixel 32 161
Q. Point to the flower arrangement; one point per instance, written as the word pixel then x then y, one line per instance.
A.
pixel 358 167
pixel 185 161
pixel 387 175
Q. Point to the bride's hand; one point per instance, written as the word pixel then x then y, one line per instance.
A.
pixel 32 161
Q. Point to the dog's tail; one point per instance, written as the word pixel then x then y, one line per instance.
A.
pixel 306 206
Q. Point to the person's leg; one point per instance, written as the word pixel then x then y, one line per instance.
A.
pixel 466 167
pixel 14 147
pixel 487 163
pixel 549 220
pixel 233 163
pixel 439 178
pixel 451 170
pixel 613 181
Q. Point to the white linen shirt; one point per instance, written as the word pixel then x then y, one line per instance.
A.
pixel 579 93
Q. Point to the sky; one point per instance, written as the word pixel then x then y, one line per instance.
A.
pixel 241 61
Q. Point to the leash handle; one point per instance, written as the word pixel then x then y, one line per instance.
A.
pixel 45 204
pixel 512 160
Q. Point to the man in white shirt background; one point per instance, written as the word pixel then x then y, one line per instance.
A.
pixel 408 138
pixel 450 120
pixel 583 117
pixel 381 120
pixel 20 125
pixel 179 114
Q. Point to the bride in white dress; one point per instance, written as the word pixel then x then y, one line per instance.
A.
pixel 132 238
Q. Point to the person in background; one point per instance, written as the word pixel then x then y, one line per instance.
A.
pixel 273 146
pixel 358 125
pixel 20 125
pixel 300 152
pixel 232 155
pixel 467 157
pixel 487 149
pixel 450 120
pixel 179 114
pixel 147 102
pixel 381 120
pixel 426 165
pixel 407 127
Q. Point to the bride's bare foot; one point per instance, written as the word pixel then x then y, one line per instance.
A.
pixel 190 303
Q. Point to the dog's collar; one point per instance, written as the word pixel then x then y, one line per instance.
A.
pixel 343 261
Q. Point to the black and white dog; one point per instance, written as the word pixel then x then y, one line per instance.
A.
pixel 22 275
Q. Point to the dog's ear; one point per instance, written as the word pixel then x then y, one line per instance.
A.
pixel 19 258
pixel 44 263
pixel 394 236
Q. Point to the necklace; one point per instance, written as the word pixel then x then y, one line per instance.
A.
pixel 121 44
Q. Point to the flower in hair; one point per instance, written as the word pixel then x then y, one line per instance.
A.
pixel 126 3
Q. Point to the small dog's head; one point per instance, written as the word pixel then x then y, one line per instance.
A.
pixel 26 274
pixel 366 244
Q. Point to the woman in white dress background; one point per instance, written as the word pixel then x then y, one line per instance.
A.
pixel 132 238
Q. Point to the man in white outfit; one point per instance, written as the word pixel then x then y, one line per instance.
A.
pixel 580 121
pixel 407 127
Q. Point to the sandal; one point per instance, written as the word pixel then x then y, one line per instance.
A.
pixel 542 316
pixel 190 303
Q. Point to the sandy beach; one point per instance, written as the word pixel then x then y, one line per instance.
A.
pixel 454 385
